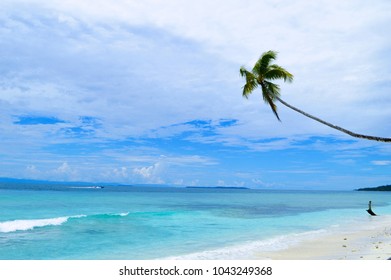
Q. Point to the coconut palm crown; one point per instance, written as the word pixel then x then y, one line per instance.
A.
pixel 263 73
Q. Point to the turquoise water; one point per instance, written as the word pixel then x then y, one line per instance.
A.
pixel 78 222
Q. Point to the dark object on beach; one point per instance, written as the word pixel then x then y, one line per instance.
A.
pixel 369 210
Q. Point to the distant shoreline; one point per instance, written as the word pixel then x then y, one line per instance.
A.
pixel 219 187
pixel 385 188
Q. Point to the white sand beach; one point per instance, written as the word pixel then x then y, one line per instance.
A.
pixel 369 241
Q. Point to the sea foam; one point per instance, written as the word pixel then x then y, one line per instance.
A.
pixel 250 249
pixel 20 225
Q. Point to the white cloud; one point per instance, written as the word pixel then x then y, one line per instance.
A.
pixel 260 183
pixel 64 168
pixel 150 174
pixel 64 173
pixel 121 172
pixel 221 183
pixel 321 40
pixel 381 162
pixel 32 172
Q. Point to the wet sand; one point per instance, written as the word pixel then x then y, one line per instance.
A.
pixel 368 241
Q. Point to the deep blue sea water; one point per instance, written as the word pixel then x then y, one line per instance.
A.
pixel 39 221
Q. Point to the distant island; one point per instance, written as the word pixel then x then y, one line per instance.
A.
pixel 218 187
pixel 386 188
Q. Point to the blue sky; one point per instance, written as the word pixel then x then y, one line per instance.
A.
pixel 150 92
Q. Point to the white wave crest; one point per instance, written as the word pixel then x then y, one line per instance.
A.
pixel 249 250
pixel 11 226
pixel 116 214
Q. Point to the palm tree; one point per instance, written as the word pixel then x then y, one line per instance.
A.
pixel 264 72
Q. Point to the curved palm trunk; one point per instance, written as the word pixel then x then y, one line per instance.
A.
pixel 368 137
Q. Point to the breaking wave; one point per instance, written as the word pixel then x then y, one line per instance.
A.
pixel 249 250
pixel 24 225
pixel 11 226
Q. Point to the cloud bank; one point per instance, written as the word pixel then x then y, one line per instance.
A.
pixel 98 84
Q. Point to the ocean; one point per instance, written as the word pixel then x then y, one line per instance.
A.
pixel 74 222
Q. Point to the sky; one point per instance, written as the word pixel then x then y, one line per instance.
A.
pixel 149 92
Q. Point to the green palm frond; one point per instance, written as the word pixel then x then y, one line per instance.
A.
pixel 247 74
pixel 251 82
pixel 269 99
pixel 243 71
pixel 276 72
pixel 273 89
pixel 248 88
pixel 262 65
